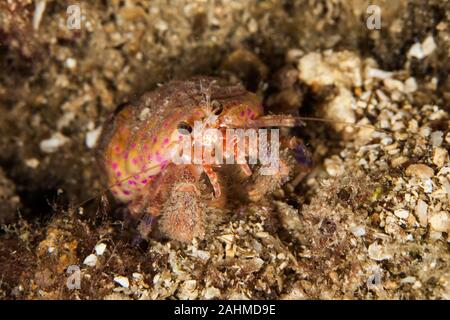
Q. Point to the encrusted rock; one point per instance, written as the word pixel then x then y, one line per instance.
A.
pixel 440 157
pixel 420 170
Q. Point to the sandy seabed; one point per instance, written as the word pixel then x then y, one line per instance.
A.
pixel 370 221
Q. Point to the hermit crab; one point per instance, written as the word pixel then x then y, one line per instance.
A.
pixel 140 142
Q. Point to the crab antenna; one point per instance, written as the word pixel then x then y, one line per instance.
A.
pixel 276 121
pixel 367 126
pixel 103 190
pixel 291 121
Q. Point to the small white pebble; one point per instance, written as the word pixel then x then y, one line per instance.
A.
pixel 100 249
pixel 293 55
pixel 144 114
pixel 409 279
pixel 123 281
pixel 435 235
pixel 416 51
pixel 398 161
pixel 444 171
pixel 425 131
pixel 436 138
pixel 427 185
pixel 387 140
pixel 211 293
pixel 32 163
pixel 91 260
pixel 137 276
pixel 440 221
pixel 402 213
pixel 38 13
pixel 53 143
pixel 421 212
pixel 382 96
pixel 420 170
pixel 252 26
pixel 358 231
pixel 428 45
pixel 377 73
pixel 410 85
pixel 71 63
pixel 204 255
pixel 377 252
pixel 440 157
pixel 393 84
pixel 92 137
pixel 334 166
pixel 161 25
pixel 65 120
pixel 156 279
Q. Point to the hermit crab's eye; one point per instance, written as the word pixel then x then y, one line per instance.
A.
pixel 184 128
pixel 216 107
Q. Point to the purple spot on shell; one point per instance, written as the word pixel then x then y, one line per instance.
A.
pixel 135 160
pixel 144 181
pixel 114 165
pixel 166 141
pixel 126 192
pixel 154 139
pixel 119 174
pixel 242 113
pixel 149 157
pixel 133 145
pixel 125 155
pixel 132 182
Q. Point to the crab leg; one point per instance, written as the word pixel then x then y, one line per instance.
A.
pixel 244 166
pixel 213 178
pixel 233 145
